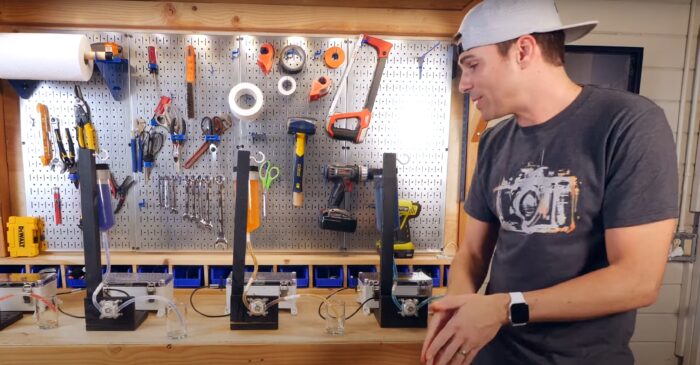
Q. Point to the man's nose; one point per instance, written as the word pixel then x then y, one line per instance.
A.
pixel 465 84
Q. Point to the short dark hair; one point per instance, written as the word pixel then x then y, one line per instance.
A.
pixel 551 43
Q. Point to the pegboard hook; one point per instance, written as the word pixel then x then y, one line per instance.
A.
pixel 404 160
pixel 261 160
pixel 102 155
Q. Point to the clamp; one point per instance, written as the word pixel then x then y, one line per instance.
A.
pixel 359 132
pixel 287 56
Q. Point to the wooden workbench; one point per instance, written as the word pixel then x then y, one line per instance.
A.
pixel 300 339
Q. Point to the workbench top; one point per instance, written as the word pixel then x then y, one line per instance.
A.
pixel 300 339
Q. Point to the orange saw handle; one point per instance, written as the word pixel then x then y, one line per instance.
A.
pixel 190 65
pixel 355 135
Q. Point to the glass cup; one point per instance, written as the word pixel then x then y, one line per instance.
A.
pixel 176 327
pixel 335 317
pixel 46 312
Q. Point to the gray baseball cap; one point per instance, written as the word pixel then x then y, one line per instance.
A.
pixel 495 21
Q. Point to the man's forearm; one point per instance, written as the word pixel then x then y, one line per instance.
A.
pixel 466 275
pixel 599 293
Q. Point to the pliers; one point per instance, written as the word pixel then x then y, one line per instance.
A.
pixel 122 191
pixel 87 137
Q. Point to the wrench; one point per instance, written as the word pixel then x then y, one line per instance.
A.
pixel 160 192
pixel 166 192
pixel 188 188
pixel 173 195
pixel 196 198
pixel 221 241
pixel 206 218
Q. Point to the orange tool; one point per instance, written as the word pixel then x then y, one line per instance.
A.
pixel 189 77
pixel 362 118
pixel 267 54
pixel 45 130
pixel 320 88
pixel 334 57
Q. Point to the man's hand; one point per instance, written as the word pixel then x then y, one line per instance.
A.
pixel 462 325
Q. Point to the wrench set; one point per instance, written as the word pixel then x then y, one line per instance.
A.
pixel 200 190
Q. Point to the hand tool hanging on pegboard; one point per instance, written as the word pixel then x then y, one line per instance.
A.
pixel 67 157
pixel 178 132
pixel 190 77
pixel 362 118
pixel 152 142
pixel 137 128
pixel 47 156
pixel 87 137
pixel 212 130
pixel 153 65
pixel 300 128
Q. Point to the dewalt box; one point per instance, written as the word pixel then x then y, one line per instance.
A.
pixel 25 236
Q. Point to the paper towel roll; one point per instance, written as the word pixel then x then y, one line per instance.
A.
pixel 36 56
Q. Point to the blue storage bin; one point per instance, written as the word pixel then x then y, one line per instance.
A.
pixel 261 268
pixel 403 268
pixel 328 276
pixel 188 276
pixel 218 275
pixel 159 269
pixel 302 272
pixel 355 270
pixel 12 269
pixel 118 268
pixel 75 276
pixel 431 270
pixel 57 268
pixel 447 273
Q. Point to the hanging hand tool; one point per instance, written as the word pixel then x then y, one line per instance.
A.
pixel 87 137
pixel 219 126
pixel 73 169
pixel 57 146
pixel 58 217
pixel 335 217
pixel 221 241
pixel 67 159
pixel 152 142
pixel 153 65
pixel 122 191
pixel 301 128
pixel 358 133
pixel 136 147
pixel 320 88
pixel 268 174
pixel 190 76
pixel 421 60
pixel 188 192
pixel 178 132
pixel 45 131
pixel 158 119
pixel 267 54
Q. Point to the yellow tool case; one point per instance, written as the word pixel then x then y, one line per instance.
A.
pixel 25 236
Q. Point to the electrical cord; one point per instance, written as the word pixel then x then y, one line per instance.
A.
pixel 320 305
pixel 196 310
pixel 351 314
pixel 58 306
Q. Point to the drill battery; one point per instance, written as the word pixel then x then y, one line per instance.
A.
pixel 26 236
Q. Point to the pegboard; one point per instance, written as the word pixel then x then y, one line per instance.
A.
pixel 410 118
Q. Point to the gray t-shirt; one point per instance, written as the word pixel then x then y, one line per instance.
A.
pixel 608 160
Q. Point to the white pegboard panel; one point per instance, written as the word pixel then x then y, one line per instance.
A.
pixel 411 117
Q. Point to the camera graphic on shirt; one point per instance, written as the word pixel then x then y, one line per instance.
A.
pixel 538 201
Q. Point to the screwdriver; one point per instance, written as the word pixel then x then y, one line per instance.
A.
pixel 153 65
pixel 58 217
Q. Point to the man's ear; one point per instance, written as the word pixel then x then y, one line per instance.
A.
pixel 525 49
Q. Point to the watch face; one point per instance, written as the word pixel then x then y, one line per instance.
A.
pixel 519 313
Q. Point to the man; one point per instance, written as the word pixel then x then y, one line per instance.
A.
pixel 573 202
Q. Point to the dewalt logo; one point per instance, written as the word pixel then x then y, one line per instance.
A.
pixel 21 236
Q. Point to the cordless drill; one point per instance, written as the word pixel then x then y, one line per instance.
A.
pixel 335 218
pixel 403 246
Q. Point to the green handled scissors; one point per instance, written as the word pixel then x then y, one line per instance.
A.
pixel 268 174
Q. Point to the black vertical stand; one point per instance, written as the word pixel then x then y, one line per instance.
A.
pixel 240 318
pixel 387 314
pixel 130 318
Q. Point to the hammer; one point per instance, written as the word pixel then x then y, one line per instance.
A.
pixel 301 127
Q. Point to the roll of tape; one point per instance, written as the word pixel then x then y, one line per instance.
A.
pixel 289 64
pixel 244 112
pixel 334 57
pixel 287 85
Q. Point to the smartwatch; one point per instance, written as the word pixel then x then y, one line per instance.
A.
pixel 518 310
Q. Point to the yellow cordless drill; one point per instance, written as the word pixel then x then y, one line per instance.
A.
pixel 403 246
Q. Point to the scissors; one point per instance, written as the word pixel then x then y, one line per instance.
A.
pixel 152 142
pixel 214 127
pixel 268 174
